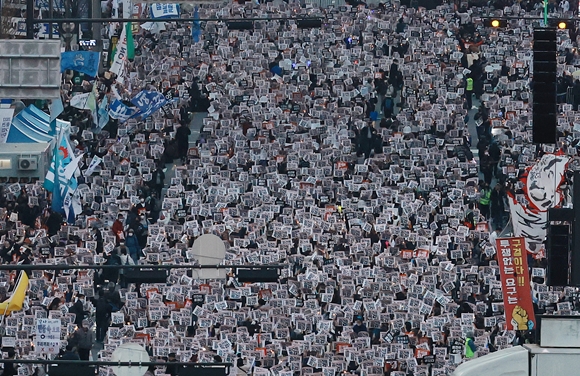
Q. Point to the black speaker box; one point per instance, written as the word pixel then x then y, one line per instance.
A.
pixel 240 25
pixel 308 24
pixel 546 34
pixel 558 255
pixel 544 87
pixel 145 276
pixel 544 128
pixel 257 275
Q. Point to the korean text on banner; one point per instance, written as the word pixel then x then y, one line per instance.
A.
pixel 515 283
pixel 47 336
pixel 5 123
pixel 120 54
pixel 162 10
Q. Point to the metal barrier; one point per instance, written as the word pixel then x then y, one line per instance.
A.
pixel 59 367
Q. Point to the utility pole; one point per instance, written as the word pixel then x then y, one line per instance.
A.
pixel 29 19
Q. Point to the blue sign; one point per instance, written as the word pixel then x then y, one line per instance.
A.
pixel 121 112
pixel 148 102
pixel 86 62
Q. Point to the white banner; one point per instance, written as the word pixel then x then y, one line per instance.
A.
pixel 164 10
pixel 532 226
pixel 47 339
pixel 5 123
pixel 80 101
pixel 127 8
pixel 94 163
pixel 542 192
pixel 544 180
pixel 121 54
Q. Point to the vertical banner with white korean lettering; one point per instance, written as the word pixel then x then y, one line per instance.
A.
pixel 47 336
pixel 515 283
pixel 5 123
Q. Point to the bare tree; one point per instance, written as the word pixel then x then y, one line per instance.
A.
pixel 9 21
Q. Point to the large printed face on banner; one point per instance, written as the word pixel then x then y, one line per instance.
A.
pixel 529 225
pixel 544 180
pixel 542 192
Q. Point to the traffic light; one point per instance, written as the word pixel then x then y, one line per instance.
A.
pixel 559 24
pixel 495 23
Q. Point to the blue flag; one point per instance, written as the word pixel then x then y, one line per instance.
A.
pixel 196 26
pixel 59 179
pixel 148 102
pixel 121 112
pixel 57 200
pixel 86 62
pixel 103 113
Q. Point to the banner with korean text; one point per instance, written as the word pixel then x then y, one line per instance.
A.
pixel 47 339
pixel 515 283
pixel 5 123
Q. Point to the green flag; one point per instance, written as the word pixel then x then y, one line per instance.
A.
pixel 130 43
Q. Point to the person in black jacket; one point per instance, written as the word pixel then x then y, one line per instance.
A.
pixel 79 310
pixel 9 369
pixel 103 316
pixel 70 354
pixel 171 369
pixel 54 222
pixel 182 136
pixel 157 181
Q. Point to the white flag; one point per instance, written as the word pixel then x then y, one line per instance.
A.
pixel 120 55
pixel 94 163
pixel 80 101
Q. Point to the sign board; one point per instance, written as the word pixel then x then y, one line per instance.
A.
pixel 47 339
pixel 30 69
pixel 5 123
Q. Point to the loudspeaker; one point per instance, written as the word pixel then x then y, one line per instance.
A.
pixel 544 87
pixel 558 255
pixel 240 25
pixel 561 214
pixel 308 24
pixel 145 276
pixel 257 275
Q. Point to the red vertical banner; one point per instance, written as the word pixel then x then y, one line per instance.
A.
pixel 515 283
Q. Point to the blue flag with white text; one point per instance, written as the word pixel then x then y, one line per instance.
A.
pixel 118 110
pixel 148 102
pixel 86 62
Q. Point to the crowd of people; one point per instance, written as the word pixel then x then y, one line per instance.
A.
pixel 343 153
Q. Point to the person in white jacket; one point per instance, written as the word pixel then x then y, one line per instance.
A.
pixel 125 260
